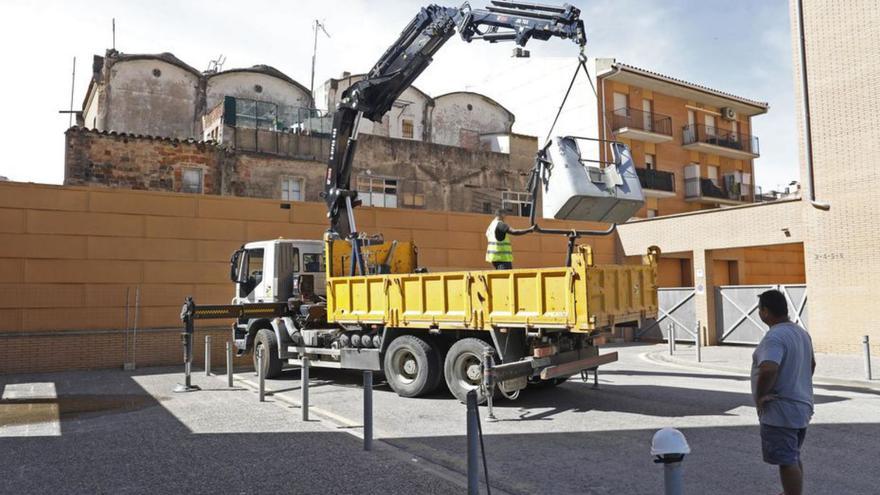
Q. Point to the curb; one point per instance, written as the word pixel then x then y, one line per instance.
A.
pixel 662 358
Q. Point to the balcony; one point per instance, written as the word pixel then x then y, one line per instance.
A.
pixel 657 183
pixel 707 139
pixel 637 124
pixel 728 192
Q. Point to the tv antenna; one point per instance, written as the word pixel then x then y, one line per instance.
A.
pixel 216 65
pixel 71 112
pixel 318 25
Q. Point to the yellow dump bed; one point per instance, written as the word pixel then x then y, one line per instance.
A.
pixel 580 298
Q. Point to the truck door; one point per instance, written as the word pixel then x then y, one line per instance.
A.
pixel 251 268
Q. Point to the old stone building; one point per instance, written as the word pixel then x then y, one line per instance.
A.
pixel 160 95
pixel 152 122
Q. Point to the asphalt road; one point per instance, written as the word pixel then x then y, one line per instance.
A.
pixel 572 439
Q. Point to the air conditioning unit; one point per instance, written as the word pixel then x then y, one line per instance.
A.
pixel 728 113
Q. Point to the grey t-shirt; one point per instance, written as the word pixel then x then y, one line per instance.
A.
pixel 789 346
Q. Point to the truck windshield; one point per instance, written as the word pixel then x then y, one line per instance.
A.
pixel 313 263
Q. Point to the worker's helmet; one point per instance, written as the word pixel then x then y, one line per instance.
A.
pixel 669 441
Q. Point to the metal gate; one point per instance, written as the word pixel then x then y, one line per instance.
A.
pixel 675 309
pixel 736 311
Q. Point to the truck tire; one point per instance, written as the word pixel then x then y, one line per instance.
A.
pixel 463 369
pixel 266 340
pixel 412 366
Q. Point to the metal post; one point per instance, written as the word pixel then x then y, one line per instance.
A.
pixel 596 377
pixel 473 473
pixel 672 478
pixel 368 410
pixel 304 387
pixel 186 337
pixel 229 363
pixel 699 343
pixel 866 341
pixel 262 373
pixel 670 337
pixel 207 355
pixel 488 379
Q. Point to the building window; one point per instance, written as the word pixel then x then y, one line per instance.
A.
pixel 255 114
pixel 292 189
pixel 650 161
pixel 407 129
pixel 413 194
pixel 377 191
pixel 193 180
pixel 516 203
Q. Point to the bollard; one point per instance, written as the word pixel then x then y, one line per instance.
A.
pixel 229 364
pixel 186 338
pixel 488 379
pixel 669 448
pixel 866 341
pixel 262 373
pixel 473 474
pixel 304 387
pixel 207 355
pixel 670 338
pixel 672 478
pixel 368 410
pixel 699 344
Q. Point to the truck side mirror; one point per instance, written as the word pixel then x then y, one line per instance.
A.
pixel 235 264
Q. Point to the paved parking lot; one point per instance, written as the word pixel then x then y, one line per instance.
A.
pixel 125 432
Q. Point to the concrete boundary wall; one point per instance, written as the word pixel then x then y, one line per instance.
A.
pixel 73 258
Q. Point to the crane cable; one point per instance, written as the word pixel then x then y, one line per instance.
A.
pixel 582 64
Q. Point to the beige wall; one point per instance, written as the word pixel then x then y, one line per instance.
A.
pixel 69 256
pixel 843 268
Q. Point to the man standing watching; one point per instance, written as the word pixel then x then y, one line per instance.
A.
pixel 499 251
pixel 782 387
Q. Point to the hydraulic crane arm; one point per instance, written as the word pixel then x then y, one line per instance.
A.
pixel 407 58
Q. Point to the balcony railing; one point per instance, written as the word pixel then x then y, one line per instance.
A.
pixel 727 190
pixel 634 118
pixel 699 133
pixel 656 179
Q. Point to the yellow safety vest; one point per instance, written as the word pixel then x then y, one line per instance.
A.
pixel 497 251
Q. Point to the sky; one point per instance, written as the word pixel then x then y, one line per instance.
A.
pixel 741 47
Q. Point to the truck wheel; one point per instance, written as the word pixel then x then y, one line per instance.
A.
pixel 463 369
pixel 271 363
pixel 412 366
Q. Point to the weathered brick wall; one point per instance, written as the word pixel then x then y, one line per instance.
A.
pixel 72 259
pixel 451 178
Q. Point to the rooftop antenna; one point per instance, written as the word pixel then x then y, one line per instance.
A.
pixel 71 112
pixel 216 65
pixel 72 84
pixel 114 34
pixel 318 25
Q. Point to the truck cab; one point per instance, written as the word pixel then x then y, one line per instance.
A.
pixel 268 271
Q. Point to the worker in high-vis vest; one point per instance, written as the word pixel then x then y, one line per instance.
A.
pixel 499 251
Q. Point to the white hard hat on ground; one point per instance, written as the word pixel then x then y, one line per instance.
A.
pixel 669 441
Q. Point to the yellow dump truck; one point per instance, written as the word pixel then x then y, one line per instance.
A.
pixel 422 328
pixel 370 307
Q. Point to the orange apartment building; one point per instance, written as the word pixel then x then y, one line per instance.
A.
pixel 693 146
